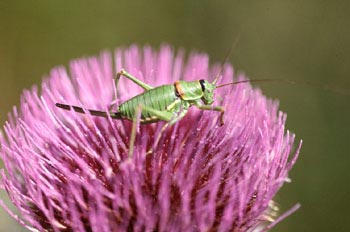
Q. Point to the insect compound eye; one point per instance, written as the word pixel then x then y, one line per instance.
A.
pixel 202 84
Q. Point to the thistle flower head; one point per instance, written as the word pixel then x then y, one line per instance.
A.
pixel 71 172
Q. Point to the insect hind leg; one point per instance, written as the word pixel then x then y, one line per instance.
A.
pixel 124 73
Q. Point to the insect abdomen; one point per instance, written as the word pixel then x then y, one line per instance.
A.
pixel 158 99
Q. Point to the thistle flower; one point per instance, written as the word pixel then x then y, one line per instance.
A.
pixel 71 172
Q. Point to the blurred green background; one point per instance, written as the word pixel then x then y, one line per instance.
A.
pixel 294 39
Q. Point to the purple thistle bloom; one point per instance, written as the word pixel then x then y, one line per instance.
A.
pixel 71 172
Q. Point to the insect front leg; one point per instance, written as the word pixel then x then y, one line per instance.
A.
pixel 214 108
pixel 133 79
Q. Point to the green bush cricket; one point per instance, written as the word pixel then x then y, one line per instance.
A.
pixel 168 103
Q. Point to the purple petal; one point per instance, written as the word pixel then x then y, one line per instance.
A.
pixel 71 172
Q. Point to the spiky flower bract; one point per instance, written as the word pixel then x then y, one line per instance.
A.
pixel 66 171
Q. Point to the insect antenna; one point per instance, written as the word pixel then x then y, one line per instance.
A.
pixel 299 82
pixel 257 80
pixel 114 115
pixel 228 54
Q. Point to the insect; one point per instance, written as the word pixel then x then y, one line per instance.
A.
pixel 168 103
